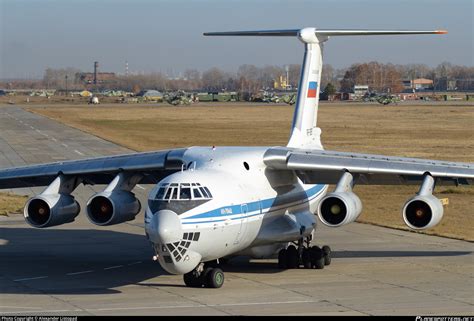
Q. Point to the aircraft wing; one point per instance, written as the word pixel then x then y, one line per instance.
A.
pixel 326 167
pixel 152 165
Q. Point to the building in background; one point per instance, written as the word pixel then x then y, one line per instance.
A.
pixel 360 91
pixel 281 83
pixel 95 77
pixel 420 84
pixel 88 77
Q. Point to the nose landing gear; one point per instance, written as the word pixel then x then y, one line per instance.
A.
pixel 204 276
pixel 307 256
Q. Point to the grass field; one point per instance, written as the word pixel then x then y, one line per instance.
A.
pixel 440 131
pixel 11 203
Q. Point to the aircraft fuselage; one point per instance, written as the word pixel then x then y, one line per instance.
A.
pixel 227 202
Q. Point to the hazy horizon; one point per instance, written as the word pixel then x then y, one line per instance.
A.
pixel 166 35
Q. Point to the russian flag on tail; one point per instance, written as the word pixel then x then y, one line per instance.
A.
pixel 312 88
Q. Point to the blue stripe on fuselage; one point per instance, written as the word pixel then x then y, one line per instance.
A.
pixel 279 201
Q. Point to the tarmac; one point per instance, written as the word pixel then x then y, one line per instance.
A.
pixel 83 269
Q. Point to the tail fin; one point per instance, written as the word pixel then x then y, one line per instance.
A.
pixel 304 131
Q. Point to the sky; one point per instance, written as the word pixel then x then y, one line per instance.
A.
pixel 166 35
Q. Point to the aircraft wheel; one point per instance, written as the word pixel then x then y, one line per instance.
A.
pixel 214 278
pixel 292 259
pixel 327 254
pixel 192 281
pixel 317 257
pixel 282 259
pixel 306 258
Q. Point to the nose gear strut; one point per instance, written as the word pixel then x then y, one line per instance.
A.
pixel 204 275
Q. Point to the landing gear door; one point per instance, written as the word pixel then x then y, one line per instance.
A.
pixel 243 220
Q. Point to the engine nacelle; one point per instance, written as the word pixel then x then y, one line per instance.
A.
pixel 46 210
pixel 422 212
pixel 339 208
pixel 109 208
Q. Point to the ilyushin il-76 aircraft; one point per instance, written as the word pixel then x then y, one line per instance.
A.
pixel 213 203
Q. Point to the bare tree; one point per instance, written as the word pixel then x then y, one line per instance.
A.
pixel 56 78
pixel 213 79
pixel 379 77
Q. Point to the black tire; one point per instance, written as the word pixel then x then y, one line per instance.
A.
pixel 317 257
pixel 215 278
pixel 292 257
pixel 327 255
pixel 192 281
pixel 306 257
pixel 319 264
pixel 282 259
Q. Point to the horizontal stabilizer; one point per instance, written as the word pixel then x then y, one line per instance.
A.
pixel 325 32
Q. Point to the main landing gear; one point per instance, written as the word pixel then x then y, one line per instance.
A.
pixel 208 276
pixel 308 256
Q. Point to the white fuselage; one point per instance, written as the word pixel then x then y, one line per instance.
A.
pixel 251 210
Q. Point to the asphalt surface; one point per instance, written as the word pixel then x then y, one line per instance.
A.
pixel 83 269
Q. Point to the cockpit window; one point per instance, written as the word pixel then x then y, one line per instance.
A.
pixel 182 192
pixel 185 192
pixel 174 196
pixel 208 192
pixel 161 193
pixel 168 194
pixel 204 192
pixel 197 193
pixel 179 197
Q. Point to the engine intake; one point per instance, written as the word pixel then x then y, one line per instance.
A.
pixel 422 212
pixel 337 209
pixel 50 210
pixel 109 208
pixel 341 206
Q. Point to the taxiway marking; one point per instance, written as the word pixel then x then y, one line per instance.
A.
pixel 80 272
pixel 33 278
pixel 113 267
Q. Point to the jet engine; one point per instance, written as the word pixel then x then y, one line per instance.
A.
pixel 422 212
pixel 341 206
pixel 337 208
pixel 109 208
pixel 55 205
pixel 47 210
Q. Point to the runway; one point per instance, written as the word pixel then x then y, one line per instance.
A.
pixel 83 269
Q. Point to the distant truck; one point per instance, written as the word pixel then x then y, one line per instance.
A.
pixel 218 96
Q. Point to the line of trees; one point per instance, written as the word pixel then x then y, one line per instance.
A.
pixel 250 79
